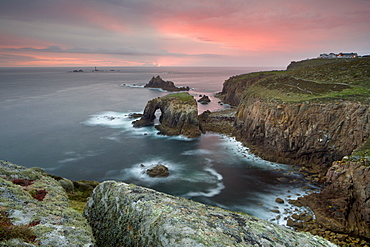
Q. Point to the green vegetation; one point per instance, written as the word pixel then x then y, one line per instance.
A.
pixel 363 153
pixel 313 80
pixel 184 97
pixel 81 193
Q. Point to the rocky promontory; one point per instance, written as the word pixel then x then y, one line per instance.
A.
pixel 303 117
pixel 158 82
pixel 179 115
pixel 128 215
pixel 312 115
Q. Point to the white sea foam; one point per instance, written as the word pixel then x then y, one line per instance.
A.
pixel 197 152
pixel 110 119
pixel 123 121
pixel 132 85
pixel 74 156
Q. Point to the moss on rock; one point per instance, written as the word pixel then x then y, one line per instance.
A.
pixel 51 219
pixel 144 217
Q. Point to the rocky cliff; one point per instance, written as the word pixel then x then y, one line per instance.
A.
pixel 302 116
pixel 158 82
pixel 35 211
pixel 309 134
pixel 179 115
pixel 343 205
pixel 128 215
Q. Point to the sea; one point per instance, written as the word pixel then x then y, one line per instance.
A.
pixel 77 125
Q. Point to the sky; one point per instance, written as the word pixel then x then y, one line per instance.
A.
pixel 73 33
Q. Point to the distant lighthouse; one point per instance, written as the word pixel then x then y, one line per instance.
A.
pixel 96 69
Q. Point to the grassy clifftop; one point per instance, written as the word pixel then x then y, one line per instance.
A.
pixel 313 80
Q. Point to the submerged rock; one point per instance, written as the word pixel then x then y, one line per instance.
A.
pixel 144 217
pixel 158 171
pixel 36 203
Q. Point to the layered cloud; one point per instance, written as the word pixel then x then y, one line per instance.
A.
pixel 202 32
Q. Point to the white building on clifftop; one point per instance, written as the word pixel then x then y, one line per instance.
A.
pixel 340 55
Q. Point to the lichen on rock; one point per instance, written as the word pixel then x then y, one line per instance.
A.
pixel 128 215
pixel 51 219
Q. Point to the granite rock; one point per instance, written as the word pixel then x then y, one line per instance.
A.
pixel 128 215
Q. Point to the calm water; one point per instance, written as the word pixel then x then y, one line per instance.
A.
pixel 75 125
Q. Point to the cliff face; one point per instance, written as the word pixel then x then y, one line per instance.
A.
pixel 130 215
pixel 313 134
pixel 343 205
pixel 179 115
pixel 233 88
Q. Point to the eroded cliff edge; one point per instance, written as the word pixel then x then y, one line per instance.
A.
pixel 313 116
pixel 308 117
pixel 179 115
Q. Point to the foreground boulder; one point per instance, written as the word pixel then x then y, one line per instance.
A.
pixel 129 215
pixel 179 115
pixel 158 82
pixel 35 211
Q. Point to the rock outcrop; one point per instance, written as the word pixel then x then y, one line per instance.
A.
pixel 179 115
pixel 309 134
pixel 343 205
pixel 158 171
pixel 144 217
pixel 35 205
pixel 158 82
pixel 204 99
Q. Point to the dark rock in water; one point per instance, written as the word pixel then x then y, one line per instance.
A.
pixel 158 82
pixel 204 100
pixel 179 115
pixel 158 171
pixel 145 217
pixel 279 200
pixel 78 70
pixel 135 115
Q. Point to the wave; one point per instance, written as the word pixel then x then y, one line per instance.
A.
pixel 123 121
pixel 197 152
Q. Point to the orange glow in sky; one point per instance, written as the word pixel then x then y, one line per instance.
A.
pixel 179 33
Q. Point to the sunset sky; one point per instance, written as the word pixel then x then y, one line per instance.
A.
pixel 179 33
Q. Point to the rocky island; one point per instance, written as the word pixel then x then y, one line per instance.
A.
pixel 179 115
pixel 158 82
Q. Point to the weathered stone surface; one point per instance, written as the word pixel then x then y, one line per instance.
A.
pixel 179 115
pixel 220 121
pixel 50 218
pixel 314 134
pixel 158 171
pixel 343 205
pixel 129 215
pixel 158 82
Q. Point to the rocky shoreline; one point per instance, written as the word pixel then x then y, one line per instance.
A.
pixel 223 122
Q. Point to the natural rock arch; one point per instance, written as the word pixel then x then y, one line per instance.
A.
pixel 179 115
